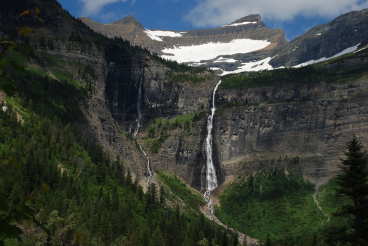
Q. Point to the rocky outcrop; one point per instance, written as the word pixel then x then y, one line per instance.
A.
pixel 325 40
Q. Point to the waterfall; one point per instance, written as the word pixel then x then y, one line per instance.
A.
pixel 211 176
pixel 139 110
pixel 139 120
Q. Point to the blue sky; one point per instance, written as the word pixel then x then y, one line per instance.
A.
pixel 293 16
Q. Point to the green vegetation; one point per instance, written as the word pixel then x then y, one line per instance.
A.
pixel 327 198
pixel 69 194
pixel 328 72
pixel 274 206
pixel 178 67
pixel 41 94
pixel 181 190
pixel 190 76
pixel 158 131
pixel 352 186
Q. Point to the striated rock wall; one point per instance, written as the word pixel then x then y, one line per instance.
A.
pixel 301 128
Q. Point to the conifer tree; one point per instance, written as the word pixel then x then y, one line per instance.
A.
pixel 162 196
pixel 353 186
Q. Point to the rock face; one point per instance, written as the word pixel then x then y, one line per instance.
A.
pixel 325 40
pixel 300 127
pixel 162 97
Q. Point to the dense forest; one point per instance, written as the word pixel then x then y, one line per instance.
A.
pixel 55 191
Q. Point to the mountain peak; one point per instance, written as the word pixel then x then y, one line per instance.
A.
pixel 128 20
pixel 249 18
pixel 87 20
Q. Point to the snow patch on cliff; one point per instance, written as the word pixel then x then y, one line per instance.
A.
pixel 341 53
pixel 209 51
pixel 225 60
pixel 242 23
pixel 252 67
pixel 156 35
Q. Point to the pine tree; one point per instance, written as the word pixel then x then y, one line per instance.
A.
pixel 353 186
pixel 162 196
pixel 268 241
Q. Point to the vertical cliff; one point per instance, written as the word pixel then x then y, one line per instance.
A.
pixel 297 120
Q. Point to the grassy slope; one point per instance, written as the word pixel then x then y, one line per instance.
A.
pixel 279 207
pixel 161 128
pixel 179 189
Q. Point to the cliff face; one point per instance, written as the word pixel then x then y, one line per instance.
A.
pixel 325 40
pixel 112 108
pixel 301 129
pixel 298 127
pixel 163 97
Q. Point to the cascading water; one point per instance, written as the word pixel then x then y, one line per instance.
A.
pixel 139 111
pixel 211 176
pixel 139 120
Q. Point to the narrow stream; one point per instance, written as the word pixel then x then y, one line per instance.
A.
pixel 149 172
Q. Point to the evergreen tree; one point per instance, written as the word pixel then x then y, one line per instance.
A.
pixel 268 241
pixel 162 196
pixel 353 186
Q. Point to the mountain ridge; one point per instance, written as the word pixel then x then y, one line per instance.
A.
pixel 308 48
pixel 165 42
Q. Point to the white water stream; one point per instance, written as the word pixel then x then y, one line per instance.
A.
pixel 211 177
pixel 139 120
pixel 318 205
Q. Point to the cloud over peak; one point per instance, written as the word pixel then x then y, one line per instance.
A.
pixel 219 12
pixel 91 7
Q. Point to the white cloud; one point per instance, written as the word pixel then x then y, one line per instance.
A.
pixel 219 12
pixel 91 7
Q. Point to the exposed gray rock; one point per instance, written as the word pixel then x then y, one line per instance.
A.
pixel 325 40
